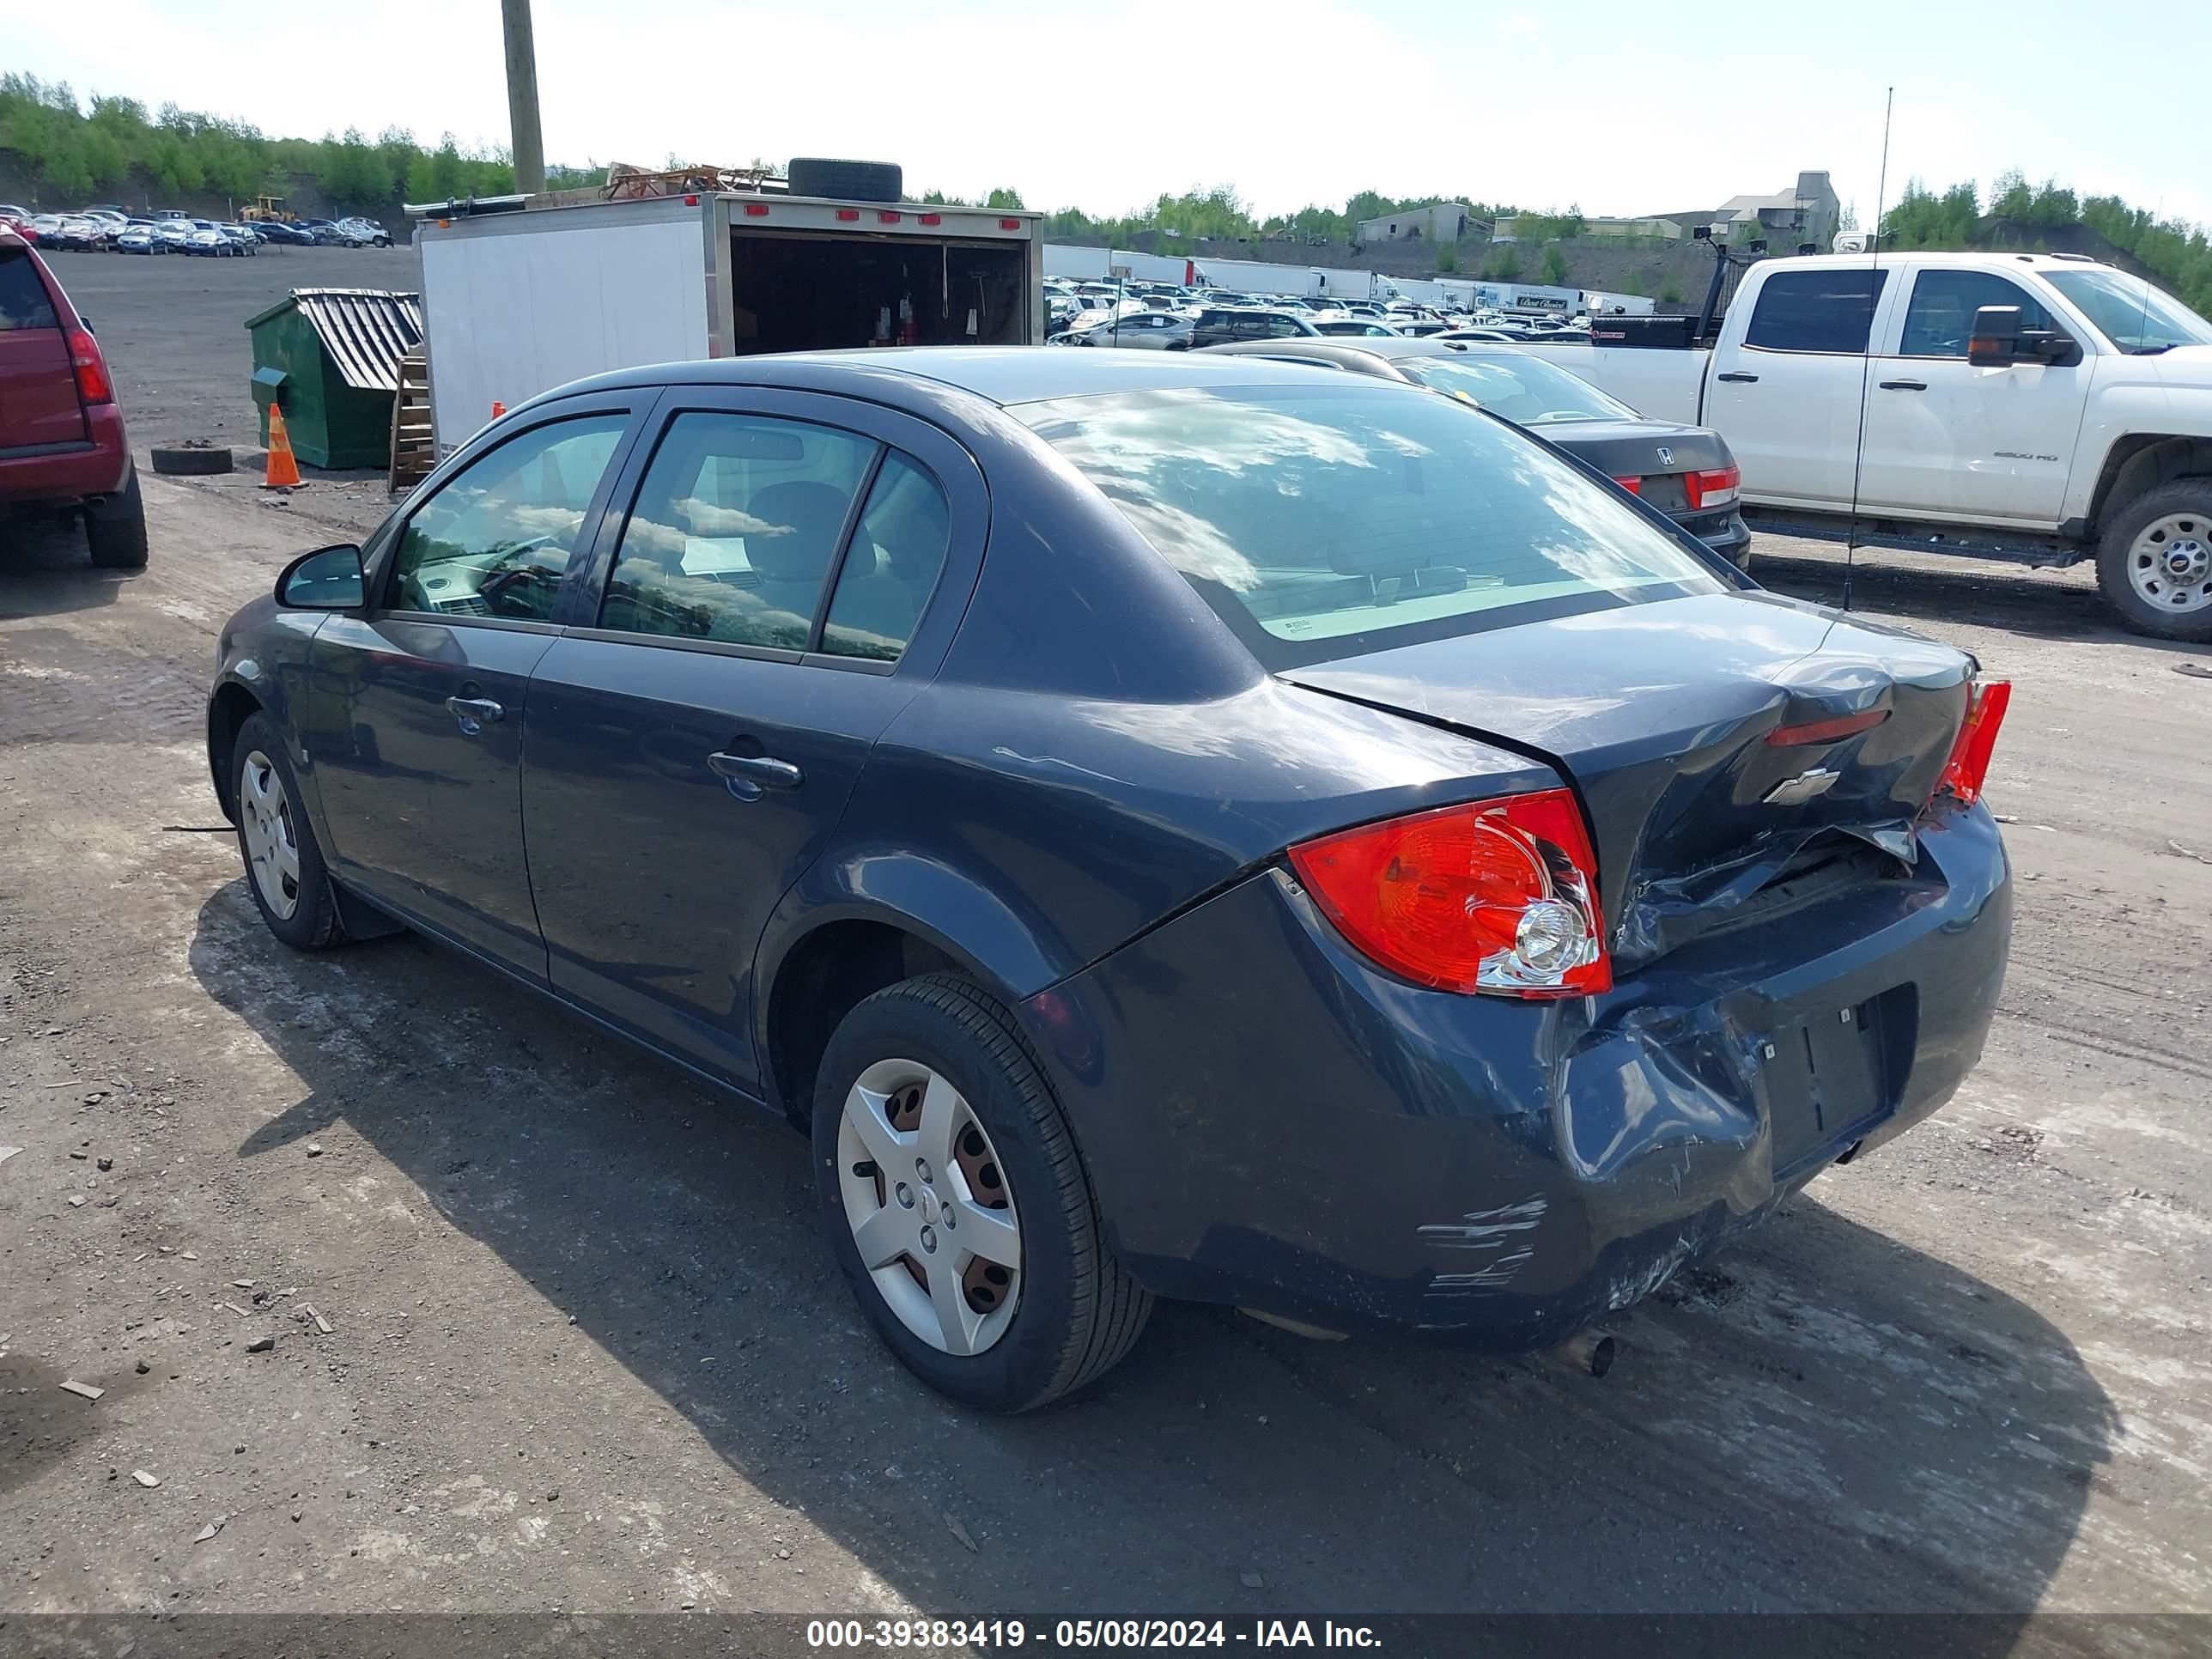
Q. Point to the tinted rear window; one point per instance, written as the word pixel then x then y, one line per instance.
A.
pixel 23 301
pixel 1322 522
pixel 1829 310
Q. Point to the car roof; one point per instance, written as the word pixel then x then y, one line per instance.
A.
pixel 1003 375
pixel 1344 349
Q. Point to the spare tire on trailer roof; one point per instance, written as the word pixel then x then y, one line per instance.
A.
pixel 853 181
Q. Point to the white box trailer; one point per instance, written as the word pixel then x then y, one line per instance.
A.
pixel 1530 298
pixel 517 302
pixel 1599 303
pixel 1100 264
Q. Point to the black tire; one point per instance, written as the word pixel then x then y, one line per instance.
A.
pixel 314 924
pixel 851 181
pixel 2189 499
pixel 1079 1313
pixel 193 462
pixel 115 528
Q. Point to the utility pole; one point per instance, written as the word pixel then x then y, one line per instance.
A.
pixel 522 99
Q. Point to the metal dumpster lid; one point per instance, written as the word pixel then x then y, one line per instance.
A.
pixel 366 330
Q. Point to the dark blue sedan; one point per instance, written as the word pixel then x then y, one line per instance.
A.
pixel 1165 826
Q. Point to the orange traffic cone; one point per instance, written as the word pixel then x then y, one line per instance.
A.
pixel 283 470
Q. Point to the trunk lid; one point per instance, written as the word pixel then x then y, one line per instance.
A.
pixel 1659 715
pixel 1658 453
pixel 38 388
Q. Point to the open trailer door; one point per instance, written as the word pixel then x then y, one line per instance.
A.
pixel 810 274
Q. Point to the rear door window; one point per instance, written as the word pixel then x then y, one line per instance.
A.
pixel 1828 310
pixel 737 524
pixel 24 303
pixel 892 566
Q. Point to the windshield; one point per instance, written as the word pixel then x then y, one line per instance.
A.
pixel 1322 522
pixel 1525 390
pixel 2129 313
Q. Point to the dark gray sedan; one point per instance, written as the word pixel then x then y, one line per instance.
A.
pixel 1162 824
pixel 1686 472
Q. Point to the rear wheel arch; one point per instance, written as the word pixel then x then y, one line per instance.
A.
pixel 826 972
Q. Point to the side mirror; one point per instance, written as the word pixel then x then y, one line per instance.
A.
pixel 328 578
pixel 1998 341
pixel 1994 343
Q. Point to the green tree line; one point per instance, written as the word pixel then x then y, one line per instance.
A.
pixel 2177 254
pixel 114 147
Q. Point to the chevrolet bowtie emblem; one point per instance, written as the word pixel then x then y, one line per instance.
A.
pixel 1795 792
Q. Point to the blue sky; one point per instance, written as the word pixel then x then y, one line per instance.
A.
pixel 1620 108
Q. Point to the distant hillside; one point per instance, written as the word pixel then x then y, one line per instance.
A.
pixel 2048 218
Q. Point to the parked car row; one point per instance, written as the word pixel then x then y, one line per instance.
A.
pixel 108 229
pixel 1093 314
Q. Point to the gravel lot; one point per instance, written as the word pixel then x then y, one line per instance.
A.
pixel 586 1349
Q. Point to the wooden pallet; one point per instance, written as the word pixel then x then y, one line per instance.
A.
pixel 414 452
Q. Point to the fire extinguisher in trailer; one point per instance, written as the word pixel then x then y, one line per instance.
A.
pixel 906 334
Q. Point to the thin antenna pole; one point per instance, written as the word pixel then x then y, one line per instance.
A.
pixel 2142 323
pixel 1865 353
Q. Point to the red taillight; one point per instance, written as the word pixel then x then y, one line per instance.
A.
pixel 756 210
pixel 850 216
pixel 1496 896
pixel 1633 486
pixel 932 218
pixel 886 217
pixel 1715 489
pixel 1968 768
pixel 1010 224
pixel 93 386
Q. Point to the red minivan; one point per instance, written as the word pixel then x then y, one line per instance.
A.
pixel 62 444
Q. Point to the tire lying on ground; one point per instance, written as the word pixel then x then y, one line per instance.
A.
pixel 853 181
pixel 191 460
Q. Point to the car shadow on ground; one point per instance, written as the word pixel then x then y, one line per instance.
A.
pixel 44 568
pixel 1989 593
pixel 1821 1418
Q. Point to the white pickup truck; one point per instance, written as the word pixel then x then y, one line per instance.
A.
pixel 2073 421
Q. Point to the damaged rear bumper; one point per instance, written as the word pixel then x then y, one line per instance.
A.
pixel 1270 1121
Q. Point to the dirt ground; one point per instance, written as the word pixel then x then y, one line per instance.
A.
pixel 584 1349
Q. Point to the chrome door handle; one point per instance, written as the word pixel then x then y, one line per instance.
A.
pixel 1905 385
pixel 474 713
pixel 756 768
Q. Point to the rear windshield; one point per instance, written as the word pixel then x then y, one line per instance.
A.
pixel 1525 390
pixel 1326 521
pixel 23 301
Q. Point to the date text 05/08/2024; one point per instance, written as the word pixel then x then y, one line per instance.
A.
pixel 938 1634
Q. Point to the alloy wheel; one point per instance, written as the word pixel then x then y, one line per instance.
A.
pixel 931 1213
pixel 272 848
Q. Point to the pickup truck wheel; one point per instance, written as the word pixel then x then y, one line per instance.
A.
pixel 115 529
pixel 2155 567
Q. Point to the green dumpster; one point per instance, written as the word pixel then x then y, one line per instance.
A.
pixel 330 358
